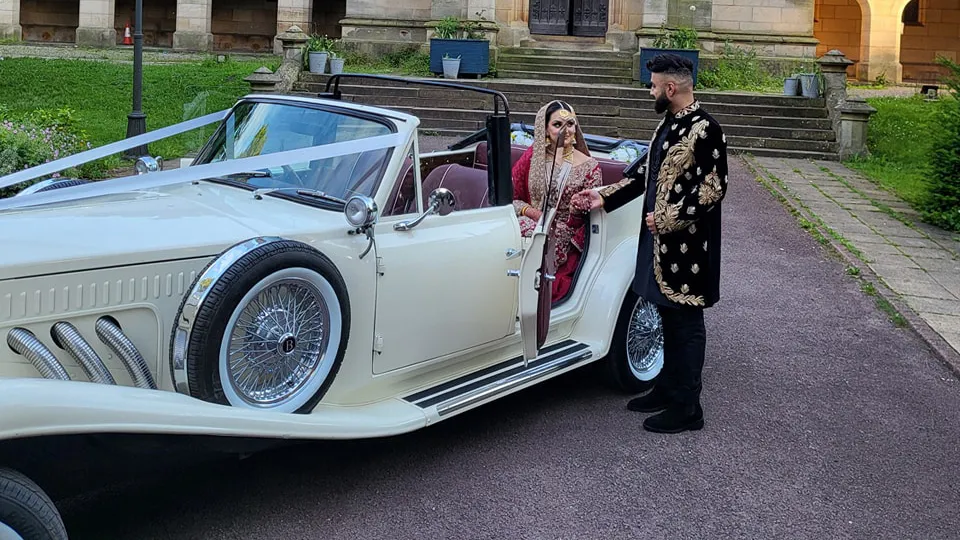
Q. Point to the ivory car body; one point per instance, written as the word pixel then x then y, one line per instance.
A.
pixel 311 275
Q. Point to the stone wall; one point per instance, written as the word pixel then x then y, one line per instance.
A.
pixel 50 20
pixel 937 33
pixel 244 25
pixel 776 17
pixel 159 21
pixel 837 25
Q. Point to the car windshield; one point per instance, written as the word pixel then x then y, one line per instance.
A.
pixel 255 129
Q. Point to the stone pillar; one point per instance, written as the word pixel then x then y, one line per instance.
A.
pixel 96 24
pixel 291 42
pixel 880 32
pixel 10 20
pixel 194 19
pixel 619 32
pixel 854 120
pixel 262 81
pixel 515 29
pixel 654 13
pixel 297 13
pixel 833 65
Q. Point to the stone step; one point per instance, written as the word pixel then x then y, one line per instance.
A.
pixel 567 76
pixel 568 50
pixel 631 90
pixel 745 128
pixel 633 108
pixel 505 66
pixel 734 146
pixel 576 61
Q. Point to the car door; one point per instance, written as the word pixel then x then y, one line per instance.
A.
pixel 537 271
pixel 444 285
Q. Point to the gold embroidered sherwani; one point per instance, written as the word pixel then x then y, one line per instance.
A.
pixel 690 186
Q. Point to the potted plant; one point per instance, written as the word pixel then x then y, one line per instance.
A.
pixel 317 49
pixel 336 60
pixel 681 41
pixel 451 66
pixel 463 40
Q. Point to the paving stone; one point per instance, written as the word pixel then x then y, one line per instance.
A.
pixel 881 220
pixel 953 338
pixel 936 306
pixel 850 226
pixel 942 323
pixel 909 241
pixel 877 252
pixel 910 280
pixel 872 238
pixel 927 253
pixel 862 207
pixel 949 280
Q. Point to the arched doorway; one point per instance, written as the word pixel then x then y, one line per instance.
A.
pixel 930 28
pixel 159 21
pixel 53 21
pixel 327 15
pixel 244 25
pixel 837 23
pixel 586 18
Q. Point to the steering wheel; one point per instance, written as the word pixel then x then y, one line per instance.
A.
pixel 290 172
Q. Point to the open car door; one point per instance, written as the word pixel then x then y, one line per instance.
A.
pixel 539 265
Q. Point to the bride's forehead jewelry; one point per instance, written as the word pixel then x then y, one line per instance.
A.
pixel 564 114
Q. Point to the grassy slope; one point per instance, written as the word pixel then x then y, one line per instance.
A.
pixel 101 93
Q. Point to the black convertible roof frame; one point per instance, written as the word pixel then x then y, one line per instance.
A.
pixel 497 129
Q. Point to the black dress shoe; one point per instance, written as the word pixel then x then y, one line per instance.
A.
pixel 675 420
pixel 652 402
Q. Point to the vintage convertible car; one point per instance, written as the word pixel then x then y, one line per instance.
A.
pixel 310 275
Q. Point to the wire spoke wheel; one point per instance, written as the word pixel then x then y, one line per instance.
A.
pixel 644 340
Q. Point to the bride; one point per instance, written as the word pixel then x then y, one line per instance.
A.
pixel 557 120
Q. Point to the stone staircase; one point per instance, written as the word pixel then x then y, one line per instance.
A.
pixel 564 63
pixel 763 125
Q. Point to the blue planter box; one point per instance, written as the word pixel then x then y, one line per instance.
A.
pixel 474 55
pixel 648 54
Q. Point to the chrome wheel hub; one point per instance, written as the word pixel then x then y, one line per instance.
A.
pixel 645 340
pixel 278 341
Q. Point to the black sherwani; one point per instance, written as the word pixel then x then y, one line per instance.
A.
pixel 691 181
pixel 678 268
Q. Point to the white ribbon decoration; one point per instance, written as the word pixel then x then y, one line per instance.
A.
pixel 175 176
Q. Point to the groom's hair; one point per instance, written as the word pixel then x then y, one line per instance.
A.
pixel 677 66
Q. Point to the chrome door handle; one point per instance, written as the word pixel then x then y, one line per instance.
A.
pixel 513 253
pixel 513 273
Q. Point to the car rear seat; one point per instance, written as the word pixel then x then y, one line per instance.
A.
pixel 612 169
pixel 469 186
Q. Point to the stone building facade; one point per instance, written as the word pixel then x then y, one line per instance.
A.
pixel 887 39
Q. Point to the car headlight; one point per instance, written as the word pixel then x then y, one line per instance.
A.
pixel 148 164
pixel 360 211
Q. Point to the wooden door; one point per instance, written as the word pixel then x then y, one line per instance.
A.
pixel 589 17
pixel 550 17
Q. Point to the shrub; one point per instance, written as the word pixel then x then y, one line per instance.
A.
pixel 942 207
pixel 40 137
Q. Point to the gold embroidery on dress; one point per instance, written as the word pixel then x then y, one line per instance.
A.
pixel 711 189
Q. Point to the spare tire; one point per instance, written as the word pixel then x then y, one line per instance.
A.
pixel 266 331
pixel 26 512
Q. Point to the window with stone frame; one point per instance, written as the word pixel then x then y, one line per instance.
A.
pixel 912 14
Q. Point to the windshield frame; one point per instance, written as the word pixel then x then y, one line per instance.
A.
pixel 206 152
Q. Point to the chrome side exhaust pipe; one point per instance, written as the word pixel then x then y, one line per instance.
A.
pixel 68 337
pixel 113 337
pixel 24 343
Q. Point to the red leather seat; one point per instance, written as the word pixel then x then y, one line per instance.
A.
pixel 469 186
pixel 480 155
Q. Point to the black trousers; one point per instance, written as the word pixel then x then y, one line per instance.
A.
pixel 684 345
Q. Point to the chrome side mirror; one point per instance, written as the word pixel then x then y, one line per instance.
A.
pixel 148 164
pixel 442 201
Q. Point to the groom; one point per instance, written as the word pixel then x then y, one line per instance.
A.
pixel 678 262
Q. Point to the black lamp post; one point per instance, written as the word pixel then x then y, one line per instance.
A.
pixel 136 120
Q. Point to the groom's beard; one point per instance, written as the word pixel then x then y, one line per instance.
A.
pixel 661 103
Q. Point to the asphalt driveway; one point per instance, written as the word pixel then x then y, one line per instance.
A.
pixel 823 420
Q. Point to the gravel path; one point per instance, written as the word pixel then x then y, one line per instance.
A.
pixel 823 420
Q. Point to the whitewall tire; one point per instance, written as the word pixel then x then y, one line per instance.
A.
pixel 636 353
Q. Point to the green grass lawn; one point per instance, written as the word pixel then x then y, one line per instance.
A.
pixel 100 94
pixel 899 139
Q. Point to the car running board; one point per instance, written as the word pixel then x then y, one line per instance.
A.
pixel 502 378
